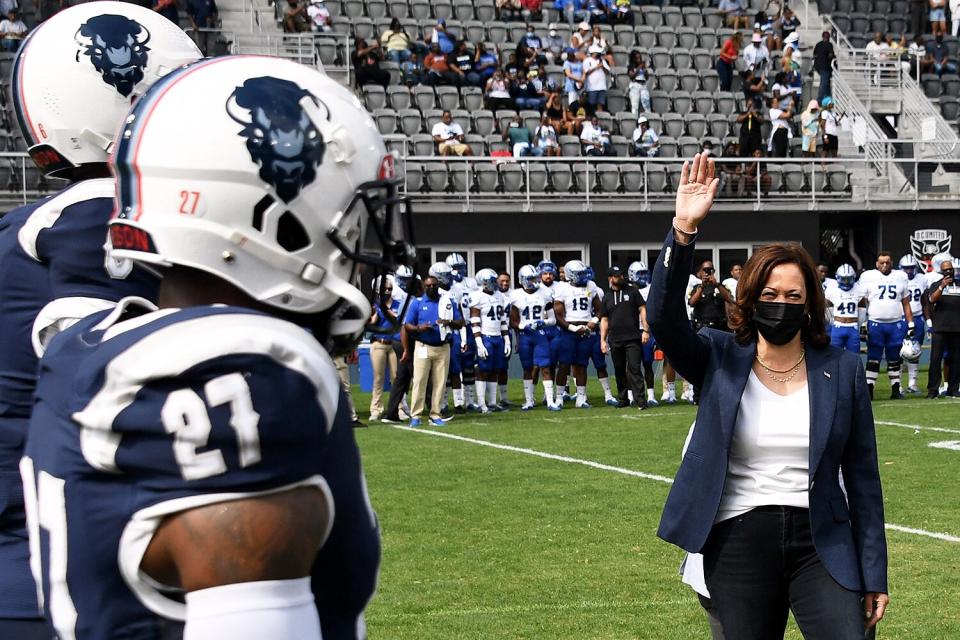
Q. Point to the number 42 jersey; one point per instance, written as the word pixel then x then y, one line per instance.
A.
pixel 140 414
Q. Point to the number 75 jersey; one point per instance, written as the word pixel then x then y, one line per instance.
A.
pixel 168 410
pixel 885 294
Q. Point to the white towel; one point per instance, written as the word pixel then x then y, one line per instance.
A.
pixel 445 312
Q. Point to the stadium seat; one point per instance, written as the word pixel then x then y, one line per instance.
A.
pixel 471 98
pixel 504 116
pixel 616 101
pixel 420 10
pixel 398 97
pixel 531 119
pixel 646 37
pixel 423 144
pixel 859 22
pixel 668 147
pixel 708 38
pixel 442 9
pixel 431 117
pixel 625 35
pixel 516 31
pixel 485 11
pixel 620 78
pixel 483 123
pixel 660 57
pixel 688 146
pixel 608 177
pixel 477 144
pixel 697 125
pixel 621 145
pixel 497 32
pixel 398 145
pixel 413 176
pixel 626 123
pixel 687 38
pixel 951 84
pixel 561 178
pixel 652 15
pixel 487 176
pixel 376 8
pixel 424 97
pixel 397 9
pixel 584 177
pixel 702 60
pixel 682 102
pixel 931 85
pixel 363 28
pixel 712 18
pixel 374 97
pixel 656 178
pixel 436 176
pixel 949 108
pixel 838 178
pixel 672 17
pixel 410 121
pixel 726 103
pixel 448 98
pixel 709 80
pixel 673 176
pixel 719 127
pixel 536 176
pixel 621 55
pixel 474 30
pixel 673 125
pixel 461 176
pixel 463 10
pixel 682 58
pixel 511 176
pixel 631 177
pixel 703 102
pixel 496 142
pixel 660 101
pixel 386 120
pixel 462 118
pixel 692 17
pixel 667 38
pixel 352 8
pixel 793 178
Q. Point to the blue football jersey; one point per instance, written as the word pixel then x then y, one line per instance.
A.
pixel 140 414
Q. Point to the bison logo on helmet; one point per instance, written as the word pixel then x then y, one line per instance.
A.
pixel 281 137
pixel 117 48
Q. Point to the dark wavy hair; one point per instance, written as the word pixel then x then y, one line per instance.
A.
pixel 755 274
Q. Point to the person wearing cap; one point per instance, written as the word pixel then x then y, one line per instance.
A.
pixel 756 56
pixel 830 123
pixel 581 38
pixel 734 14
pixel 791 49
pixel 823 57
pixel 553 44
pixel 595 72
pixel 646 142
pixel 727 59
pixel 623 332
pixel 441 37
pixel 810 128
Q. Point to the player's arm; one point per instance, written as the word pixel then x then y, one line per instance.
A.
pixel 695 295
pixel 643 324
pixel 515 318
pixel 604 328
pixel 560 313
pixel 907 313
pixel 595 320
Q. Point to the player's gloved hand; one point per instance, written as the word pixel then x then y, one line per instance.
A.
pixel 507 350
pixel 930 324
pixel 481 350
pixel 536 325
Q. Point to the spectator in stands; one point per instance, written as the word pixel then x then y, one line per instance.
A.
pixel 553 45
pixel 734 14
pixel 941 56
pixel 508 10
pixel 756 56
pixel 460 62
pixel 955 17
pixel 521 139
pixel 753 170
pixel 553 107
pixel 729 53
pixel 545 137
pixel 788 24
pixel 810 129
pixel 485 63
pixel 780 132
pixel 6 6
pixel 320 18
pixel 780 89
pixel 203 17
pixel 411 71
pixel 830 125
pixel 793 81
pixel 595 76
pixel 166 8
pixel 531 10
pixel 765 22
pixel 598 10
pixel 581 38
pixel 791 49
pixel 442 37
pixel 637 90
pixel 437 68
pixel 646 142
pixel 918 16
pixel 595 139
pixel 530 49
pixel 620 13
pixel 573 77
pixel 525 93
pixel 751 130
pixel 448 136
pixel 731 173
pixel 366 64
pixel 498 92
pixel 754 87
pixel 511 67
pixel 12 31
pixel 295 18
pixel 397 42
pixel 918 52
pixel 938 16
pixel 878 47
pixel 597 40
pixel 571 10
pixel 823 57
pixel 898 51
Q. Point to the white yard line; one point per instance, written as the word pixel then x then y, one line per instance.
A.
pixel 915 427
pixel 627 472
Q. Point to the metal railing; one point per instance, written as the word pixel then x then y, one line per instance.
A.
pixel 327 51
pixel 19 188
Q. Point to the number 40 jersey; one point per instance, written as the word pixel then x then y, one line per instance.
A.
pixel 162 411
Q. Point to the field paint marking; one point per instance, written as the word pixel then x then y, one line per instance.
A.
pixel 946 444
pixel 627 472
pixel 631 416
pixel 915 426
pixel 539 454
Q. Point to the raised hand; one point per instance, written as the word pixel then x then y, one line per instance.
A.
pixel 696 192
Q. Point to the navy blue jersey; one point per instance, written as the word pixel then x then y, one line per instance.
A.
pixel 168 410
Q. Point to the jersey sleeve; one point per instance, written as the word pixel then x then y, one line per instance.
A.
pixel 218 404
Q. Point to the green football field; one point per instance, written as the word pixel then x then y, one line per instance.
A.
pixel 543 524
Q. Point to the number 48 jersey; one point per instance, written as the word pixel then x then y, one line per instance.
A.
pixel 168 410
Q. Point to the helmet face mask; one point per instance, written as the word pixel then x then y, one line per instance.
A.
pixel 909 265
pixel 443 273
pixel 576 273
pixel 846 277
pixel 910 351
pixel 459 266
pixel 529 277
pixel 487 280
pixel 638 274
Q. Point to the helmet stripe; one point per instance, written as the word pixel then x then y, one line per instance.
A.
pixel 19 99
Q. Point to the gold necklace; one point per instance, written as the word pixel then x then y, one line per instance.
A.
pixel 792 370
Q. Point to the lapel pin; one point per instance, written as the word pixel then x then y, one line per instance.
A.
pixel 826 374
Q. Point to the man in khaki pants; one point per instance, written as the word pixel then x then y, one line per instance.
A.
pixel 427 326
pixel 383 359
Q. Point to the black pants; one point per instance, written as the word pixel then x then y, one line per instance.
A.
pixel 762 564
pixel 944 341
pixel 628 370
pixel 401 383
pixel 781 141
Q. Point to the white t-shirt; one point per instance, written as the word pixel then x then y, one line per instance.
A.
pixel 320 15
pixel 877 50
pixel 492 307
pixel 531 306
pixel 885 294
pixel 844 304
pixel 14 27
pixel 447 132
pixel 731 285
pixel 692 281
pixel 596 81
pixel 590 134
pixel 769 452
pixel 546 136
pixel 577 303
pixel 754 56
pixel 830 126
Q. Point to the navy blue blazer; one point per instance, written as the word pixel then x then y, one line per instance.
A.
pixel 847 532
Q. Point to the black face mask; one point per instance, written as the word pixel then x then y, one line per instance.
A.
pixel 778 322
pixel 947 273
pixel 432 292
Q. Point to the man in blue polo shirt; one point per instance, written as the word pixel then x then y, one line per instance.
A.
pixel 430 320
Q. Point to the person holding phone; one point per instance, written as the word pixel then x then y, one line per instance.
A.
pixel 944 299
pixel 709 299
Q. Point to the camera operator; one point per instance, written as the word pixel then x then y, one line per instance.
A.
pixel 709 299
pixel 944 297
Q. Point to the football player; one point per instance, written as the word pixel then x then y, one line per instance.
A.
pixel 639 276
pixel 491 337
pixel 529 318
pixel 73 81
pixel 503 377
pixel 205 447
pixel 596 353
pixel 888 302
pixel 577 310
pixel 847 307
pixel 467 355
pixel 916 287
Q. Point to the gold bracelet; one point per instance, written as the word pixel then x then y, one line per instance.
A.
pixel 689 233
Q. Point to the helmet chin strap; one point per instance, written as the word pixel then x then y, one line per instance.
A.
pixel 343 289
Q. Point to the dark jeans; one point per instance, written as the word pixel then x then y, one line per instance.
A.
pixel 725 71
pixel 401 383
pixel 716 630
pixel 762 564
pixel 781 142
pixel 628 370
pixel 942 341
pixel 825 87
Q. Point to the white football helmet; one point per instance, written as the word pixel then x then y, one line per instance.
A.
pixel 909 265
pixel 575 273
pixel 266 174
pixel 78 72
pixel 846 277
pixel 487 280
pixel 638 274
pixel 459 266
pixel 403 276
pixel 443 273
pixel 910 351
pixel 528 276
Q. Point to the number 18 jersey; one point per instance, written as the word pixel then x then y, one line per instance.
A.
pixel 174 409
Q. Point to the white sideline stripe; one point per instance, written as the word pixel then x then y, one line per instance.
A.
pixel 916 427
pixel 953 445
pixel 627 472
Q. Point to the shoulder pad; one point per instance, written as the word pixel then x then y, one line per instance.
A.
pixel 47 214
